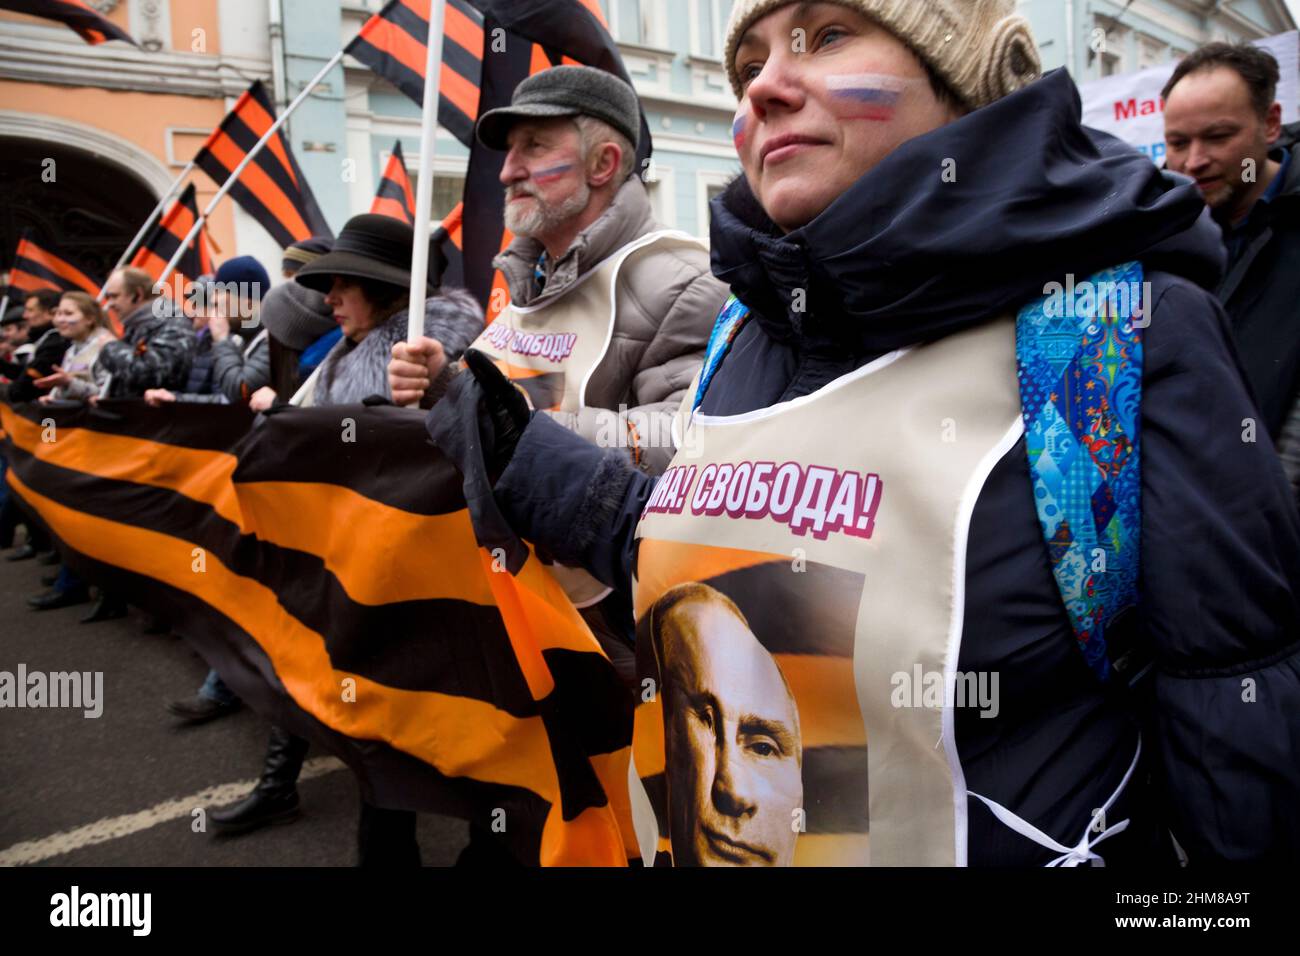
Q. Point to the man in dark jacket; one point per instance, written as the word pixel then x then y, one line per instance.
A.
pixel 1223 127
pixel 38 313
pixel 856 272
pixel 157 344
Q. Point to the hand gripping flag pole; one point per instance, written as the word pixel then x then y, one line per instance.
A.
pixel 424 188
pixel 248 158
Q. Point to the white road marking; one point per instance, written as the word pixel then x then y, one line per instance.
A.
pixel 112 828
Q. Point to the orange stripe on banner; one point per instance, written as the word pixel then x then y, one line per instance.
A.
pixel 460 28
pixel 203 476
pixel 827 697
pixel 592 839
pixel 364 563
pixel 26 282
pixel 256 118
pixel 460 736
pixel 461 92
pixel 612 770
pixel 400 45
pixel 385 206
pixel 540 61
pixel 217 133
pixel 255 179
pixel 60 267
pixel 648 737
pixel 832 849
pixel 675 563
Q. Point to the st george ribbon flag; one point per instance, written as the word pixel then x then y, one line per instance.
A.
pixel 160 242
pixel 349 597
pixel 90 25
pixel 394 197
pixel 35 268
pixel 394 43
pixel 272 189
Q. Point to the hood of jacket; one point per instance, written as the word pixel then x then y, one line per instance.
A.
pixel 628 217
pixel 906 255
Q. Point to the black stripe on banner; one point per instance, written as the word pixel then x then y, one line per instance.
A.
pixel 197 425
pixel 468 10
pixel 414 25
pixel 464 62
pixel 390 445
pixel 388 189
pixel 245 197
pixel 392 644
pixel 32 267
pixel 410 83
pixel 244 137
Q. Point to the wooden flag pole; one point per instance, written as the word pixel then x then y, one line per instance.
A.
pixel 248 158
pixel 148 221
pixel 424 189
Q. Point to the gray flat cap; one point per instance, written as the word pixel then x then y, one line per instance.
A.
pixel 565 91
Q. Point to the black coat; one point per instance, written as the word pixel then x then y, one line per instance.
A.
pixel 903 258
pixel 50 349
pixel 1261 293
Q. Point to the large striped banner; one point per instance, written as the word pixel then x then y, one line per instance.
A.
pixel 324 562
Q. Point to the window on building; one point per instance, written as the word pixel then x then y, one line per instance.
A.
pixel 1151 53
pixel 448 189
pixel 1107 46
pixel 633 21
pixel 708 26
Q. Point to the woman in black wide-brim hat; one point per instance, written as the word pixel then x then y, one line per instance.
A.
pixel 366 280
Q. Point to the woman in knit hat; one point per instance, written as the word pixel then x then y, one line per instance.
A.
pixel 970 391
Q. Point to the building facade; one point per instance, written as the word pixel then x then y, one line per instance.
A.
pixel 121 123
pixel 1099 38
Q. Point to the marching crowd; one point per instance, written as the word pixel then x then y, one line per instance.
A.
pixel 846 270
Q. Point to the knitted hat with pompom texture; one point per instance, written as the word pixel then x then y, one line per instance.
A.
pixel 982 49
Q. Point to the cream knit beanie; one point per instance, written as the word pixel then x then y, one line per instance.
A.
pixel 981 48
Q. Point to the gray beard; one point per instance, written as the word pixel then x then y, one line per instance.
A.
pixel 543 217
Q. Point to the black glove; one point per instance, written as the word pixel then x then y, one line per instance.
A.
pixel 506 407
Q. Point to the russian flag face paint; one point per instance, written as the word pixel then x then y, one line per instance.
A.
pixel 551 173
pixel 740 127
pixel 866 96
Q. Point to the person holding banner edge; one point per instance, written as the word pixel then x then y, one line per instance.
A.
pixel 914 198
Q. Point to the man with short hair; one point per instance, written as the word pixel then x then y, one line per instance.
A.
pixel 1222 126
pixel 157 344
pixel 610 313
pixel 38 313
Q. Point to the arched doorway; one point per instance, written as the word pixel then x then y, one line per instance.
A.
pixel 87 214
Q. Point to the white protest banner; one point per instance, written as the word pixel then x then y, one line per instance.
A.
pixel 1129 105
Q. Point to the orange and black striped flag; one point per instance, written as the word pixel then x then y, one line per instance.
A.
pixel 35 268
pixel 165 236
pixel 88 23
pixel 394 198
pixel 272 189
pixel 395 42
pixel 350 597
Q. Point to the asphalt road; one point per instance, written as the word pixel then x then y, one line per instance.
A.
pixel 121 789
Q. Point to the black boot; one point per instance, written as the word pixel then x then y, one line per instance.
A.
pixel 109 607
pixel 55 599
pixel 275 798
